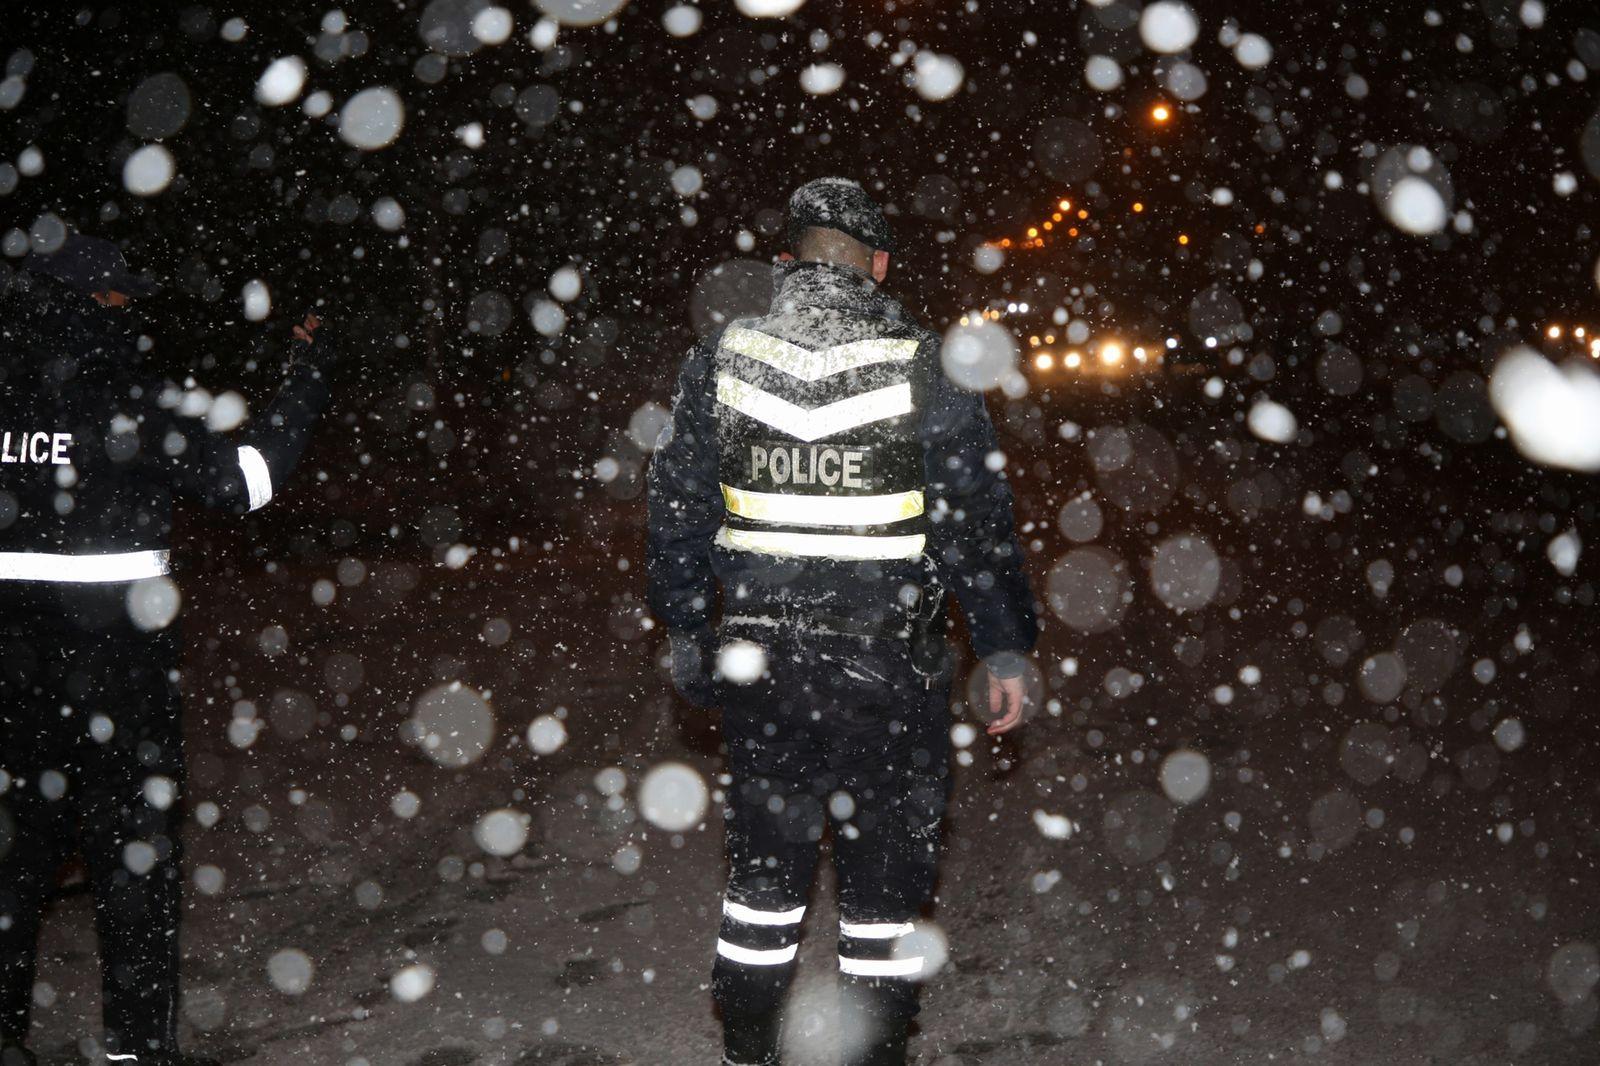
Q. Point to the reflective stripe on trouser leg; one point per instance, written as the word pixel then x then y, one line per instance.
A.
pixel 880 967
pixel 773 831
pixel 756 952
pixel 877 949
pixel 759 936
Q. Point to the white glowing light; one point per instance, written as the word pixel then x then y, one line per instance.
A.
pixel 938 77
pixel 1414 205
pixel 673 797
pixel 1272 421
pixel 1168 26
pixel 768 9
pixel 1553 412
pixel 372 118
pixel 149 170
pixel 742 662
pixel 820 79
pixel 282 81
pixel 257 300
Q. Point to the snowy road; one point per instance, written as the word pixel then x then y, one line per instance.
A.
pixel 1292 913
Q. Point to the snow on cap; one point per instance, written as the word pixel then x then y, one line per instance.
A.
pixel 90 265
pixel 841 204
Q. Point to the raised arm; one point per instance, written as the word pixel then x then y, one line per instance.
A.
pixel 242 474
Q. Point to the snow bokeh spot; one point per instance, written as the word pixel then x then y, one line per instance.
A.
pixel 673 797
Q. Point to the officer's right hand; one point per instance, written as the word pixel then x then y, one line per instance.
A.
pixel 304 331
pixel 1005 703
pixel 694 662
pixel 314 345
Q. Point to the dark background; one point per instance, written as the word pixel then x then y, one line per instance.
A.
pixel 458 423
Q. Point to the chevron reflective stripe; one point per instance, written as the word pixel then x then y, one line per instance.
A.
pixel 757 956
pixel 817 422
pixel 83 569
pixel 910 967
pixel 792 510
pixel 751 916
pixel 821 545
pixel 808 365
pixel 874 930
pixel 257 478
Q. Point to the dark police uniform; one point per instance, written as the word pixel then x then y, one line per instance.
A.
pixel 92 454
pixel 826 475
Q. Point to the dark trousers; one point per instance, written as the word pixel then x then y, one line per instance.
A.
pixel 841 735
pixel 91 758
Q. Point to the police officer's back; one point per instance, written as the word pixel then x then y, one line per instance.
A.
pixel 826 484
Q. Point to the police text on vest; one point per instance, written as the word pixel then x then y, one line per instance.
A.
pixel 815 464
pixel 35 448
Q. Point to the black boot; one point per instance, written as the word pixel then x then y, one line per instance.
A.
pixel 882 1038
pixel 888 1050
pixel 750 1039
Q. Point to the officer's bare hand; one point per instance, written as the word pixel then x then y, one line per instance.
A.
pixel 1005 704
pixel 304 331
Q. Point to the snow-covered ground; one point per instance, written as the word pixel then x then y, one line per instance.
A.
pixel 1332 896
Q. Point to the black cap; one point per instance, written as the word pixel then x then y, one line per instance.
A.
pixel 90 265
pixel 841 204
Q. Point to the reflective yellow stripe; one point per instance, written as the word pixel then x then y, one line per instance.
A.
pixel 821 545
pixel 808 365
pixel 818 422
pixel 793 510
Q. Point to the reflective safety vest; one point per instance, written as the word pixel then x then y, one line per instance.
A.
pixel 820 451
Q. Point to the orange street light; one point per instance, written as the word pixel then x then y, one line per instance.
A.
pixel 1160 113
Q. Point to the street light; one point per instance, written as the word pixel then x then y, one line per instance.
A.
pixel 1160 114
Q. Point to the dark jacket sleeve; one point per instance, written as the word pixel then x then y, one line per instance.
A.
pixel 972 535
pixel 685 501
pixel 241 473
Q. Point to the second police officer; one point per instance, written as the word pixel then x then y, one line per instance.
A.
pixel 93 454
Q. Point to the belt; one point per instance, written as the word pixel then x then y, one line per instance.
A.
pixel 871 627
pixel 83 569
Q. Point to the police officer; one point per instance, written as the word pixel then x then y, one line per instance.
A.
pixel 92 453
pixel 824 476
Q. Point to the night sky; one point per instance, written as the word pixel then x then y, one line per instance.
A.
pixel 580 142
